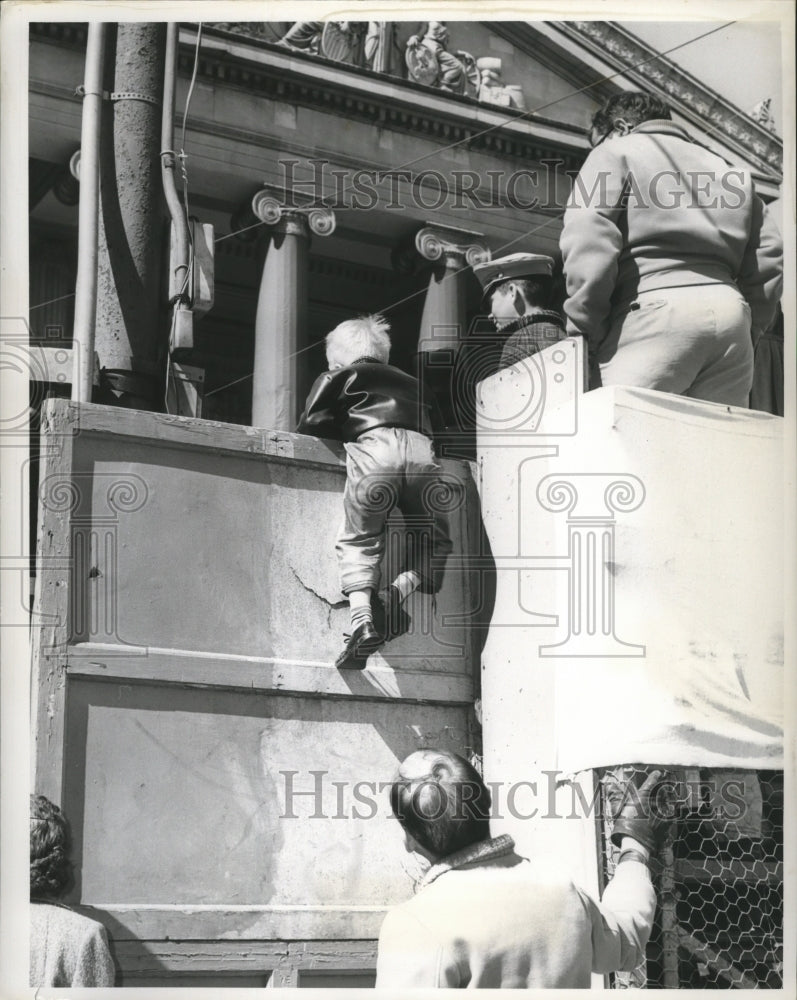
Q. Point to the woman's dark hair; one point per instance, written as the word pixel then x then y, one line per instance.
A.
pixel 633 107
pixel 446 809
pixel 50 867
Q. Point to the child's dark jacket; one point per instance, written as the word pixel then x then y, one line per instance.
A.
pixel 347 402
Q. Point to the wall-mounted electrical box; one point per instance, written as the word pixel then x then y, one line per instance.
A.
pixel 201 281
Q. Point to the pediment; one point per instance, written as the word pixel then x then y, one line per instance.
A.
pixel 554 71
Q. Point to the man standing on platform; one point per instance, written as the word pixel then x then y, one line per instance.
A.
pixel 671 259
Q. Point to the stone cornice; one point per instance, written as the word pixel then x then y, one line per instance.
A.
pixel 315 82
pixel 387 102
pixel 271 71
pixel 645 66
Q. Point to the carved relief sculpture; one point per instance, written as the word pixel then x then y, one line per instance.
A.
pixel 492 89
pixel 305 36
pixel 341 41
pixel 763 115
pixel 380 48
pixel 269 31
pixel 429 62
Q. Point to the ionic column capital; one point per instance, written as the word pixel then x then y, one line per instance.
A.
pixel 456 248
pixel 269 207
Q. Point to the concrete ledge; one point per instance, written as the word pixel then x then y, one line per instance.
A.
pixel 259 674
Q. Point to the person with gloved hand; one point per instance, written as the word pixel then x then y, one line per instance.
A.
pixel 642 816
pixel 483 916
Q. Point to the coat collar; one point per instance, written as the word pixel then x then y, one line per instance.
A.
pixel 366 359
pixel 539 316
pixel 483 850
pixel 662 126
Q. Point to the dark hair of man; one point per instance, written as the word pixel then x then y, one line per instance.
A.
pixel 447 808
pixel 537 291
pixel 633 107
pixel 50 867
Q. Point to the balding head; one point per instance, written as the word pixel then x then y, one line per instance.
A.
pixel 441 801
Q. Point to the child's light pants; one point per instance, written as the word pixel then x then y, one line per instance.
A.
pixel 391 467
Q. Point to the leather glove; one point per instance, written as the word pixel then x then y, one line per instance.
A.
pixel 644 812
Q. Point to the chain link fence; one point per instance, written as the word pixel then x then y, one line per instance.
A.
pixel 719 881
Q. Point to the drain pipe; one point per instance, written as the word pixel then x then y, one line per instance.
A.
pixel 88 217
pixel 168 167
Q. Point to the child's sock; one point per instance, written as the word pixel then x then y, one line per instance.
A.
pixel 406 583
pixel 360 607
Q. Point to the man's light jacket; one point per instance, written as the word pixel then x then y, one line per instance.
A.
pixel 654 209
pixel 485 918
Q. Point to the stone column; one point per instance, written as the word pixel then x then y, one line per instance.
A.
pixel 443 324
pixel 281 320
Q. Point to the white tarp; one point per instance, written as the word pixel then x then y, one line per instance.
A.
pixel 639 583
pixel 699 580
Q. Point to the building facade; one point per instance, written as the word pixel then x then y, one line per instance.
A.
pixel 185 712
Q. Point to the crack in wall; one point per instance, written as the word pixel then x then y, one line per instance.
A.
pixel 331 605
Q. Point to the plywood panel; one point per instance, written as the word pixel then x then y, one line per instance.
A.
pixel 188 695
pixel 194 796
pixel 233 554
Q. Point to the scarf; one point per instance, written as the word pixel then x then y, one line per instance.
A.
pixel 482 850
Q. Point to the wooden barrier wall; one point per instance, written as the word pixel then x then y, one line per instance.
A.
pixel 220 776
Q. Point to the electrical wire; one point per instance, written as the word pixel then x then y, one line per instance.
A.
pixel 49 302
pixel 183 158
pixel 508 120
pixel 510 243
pixel 227 385
pixel 399 302
pixel 197 46
pixel 171 343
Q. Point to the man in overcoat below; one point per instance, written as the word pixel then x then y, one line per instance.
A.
pixel 484 917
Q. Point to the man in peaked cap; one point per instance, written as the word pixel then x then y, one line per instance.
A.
pixel 517 289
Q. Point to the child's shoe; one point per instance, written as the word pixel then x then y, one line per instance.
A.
pixel 363 641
